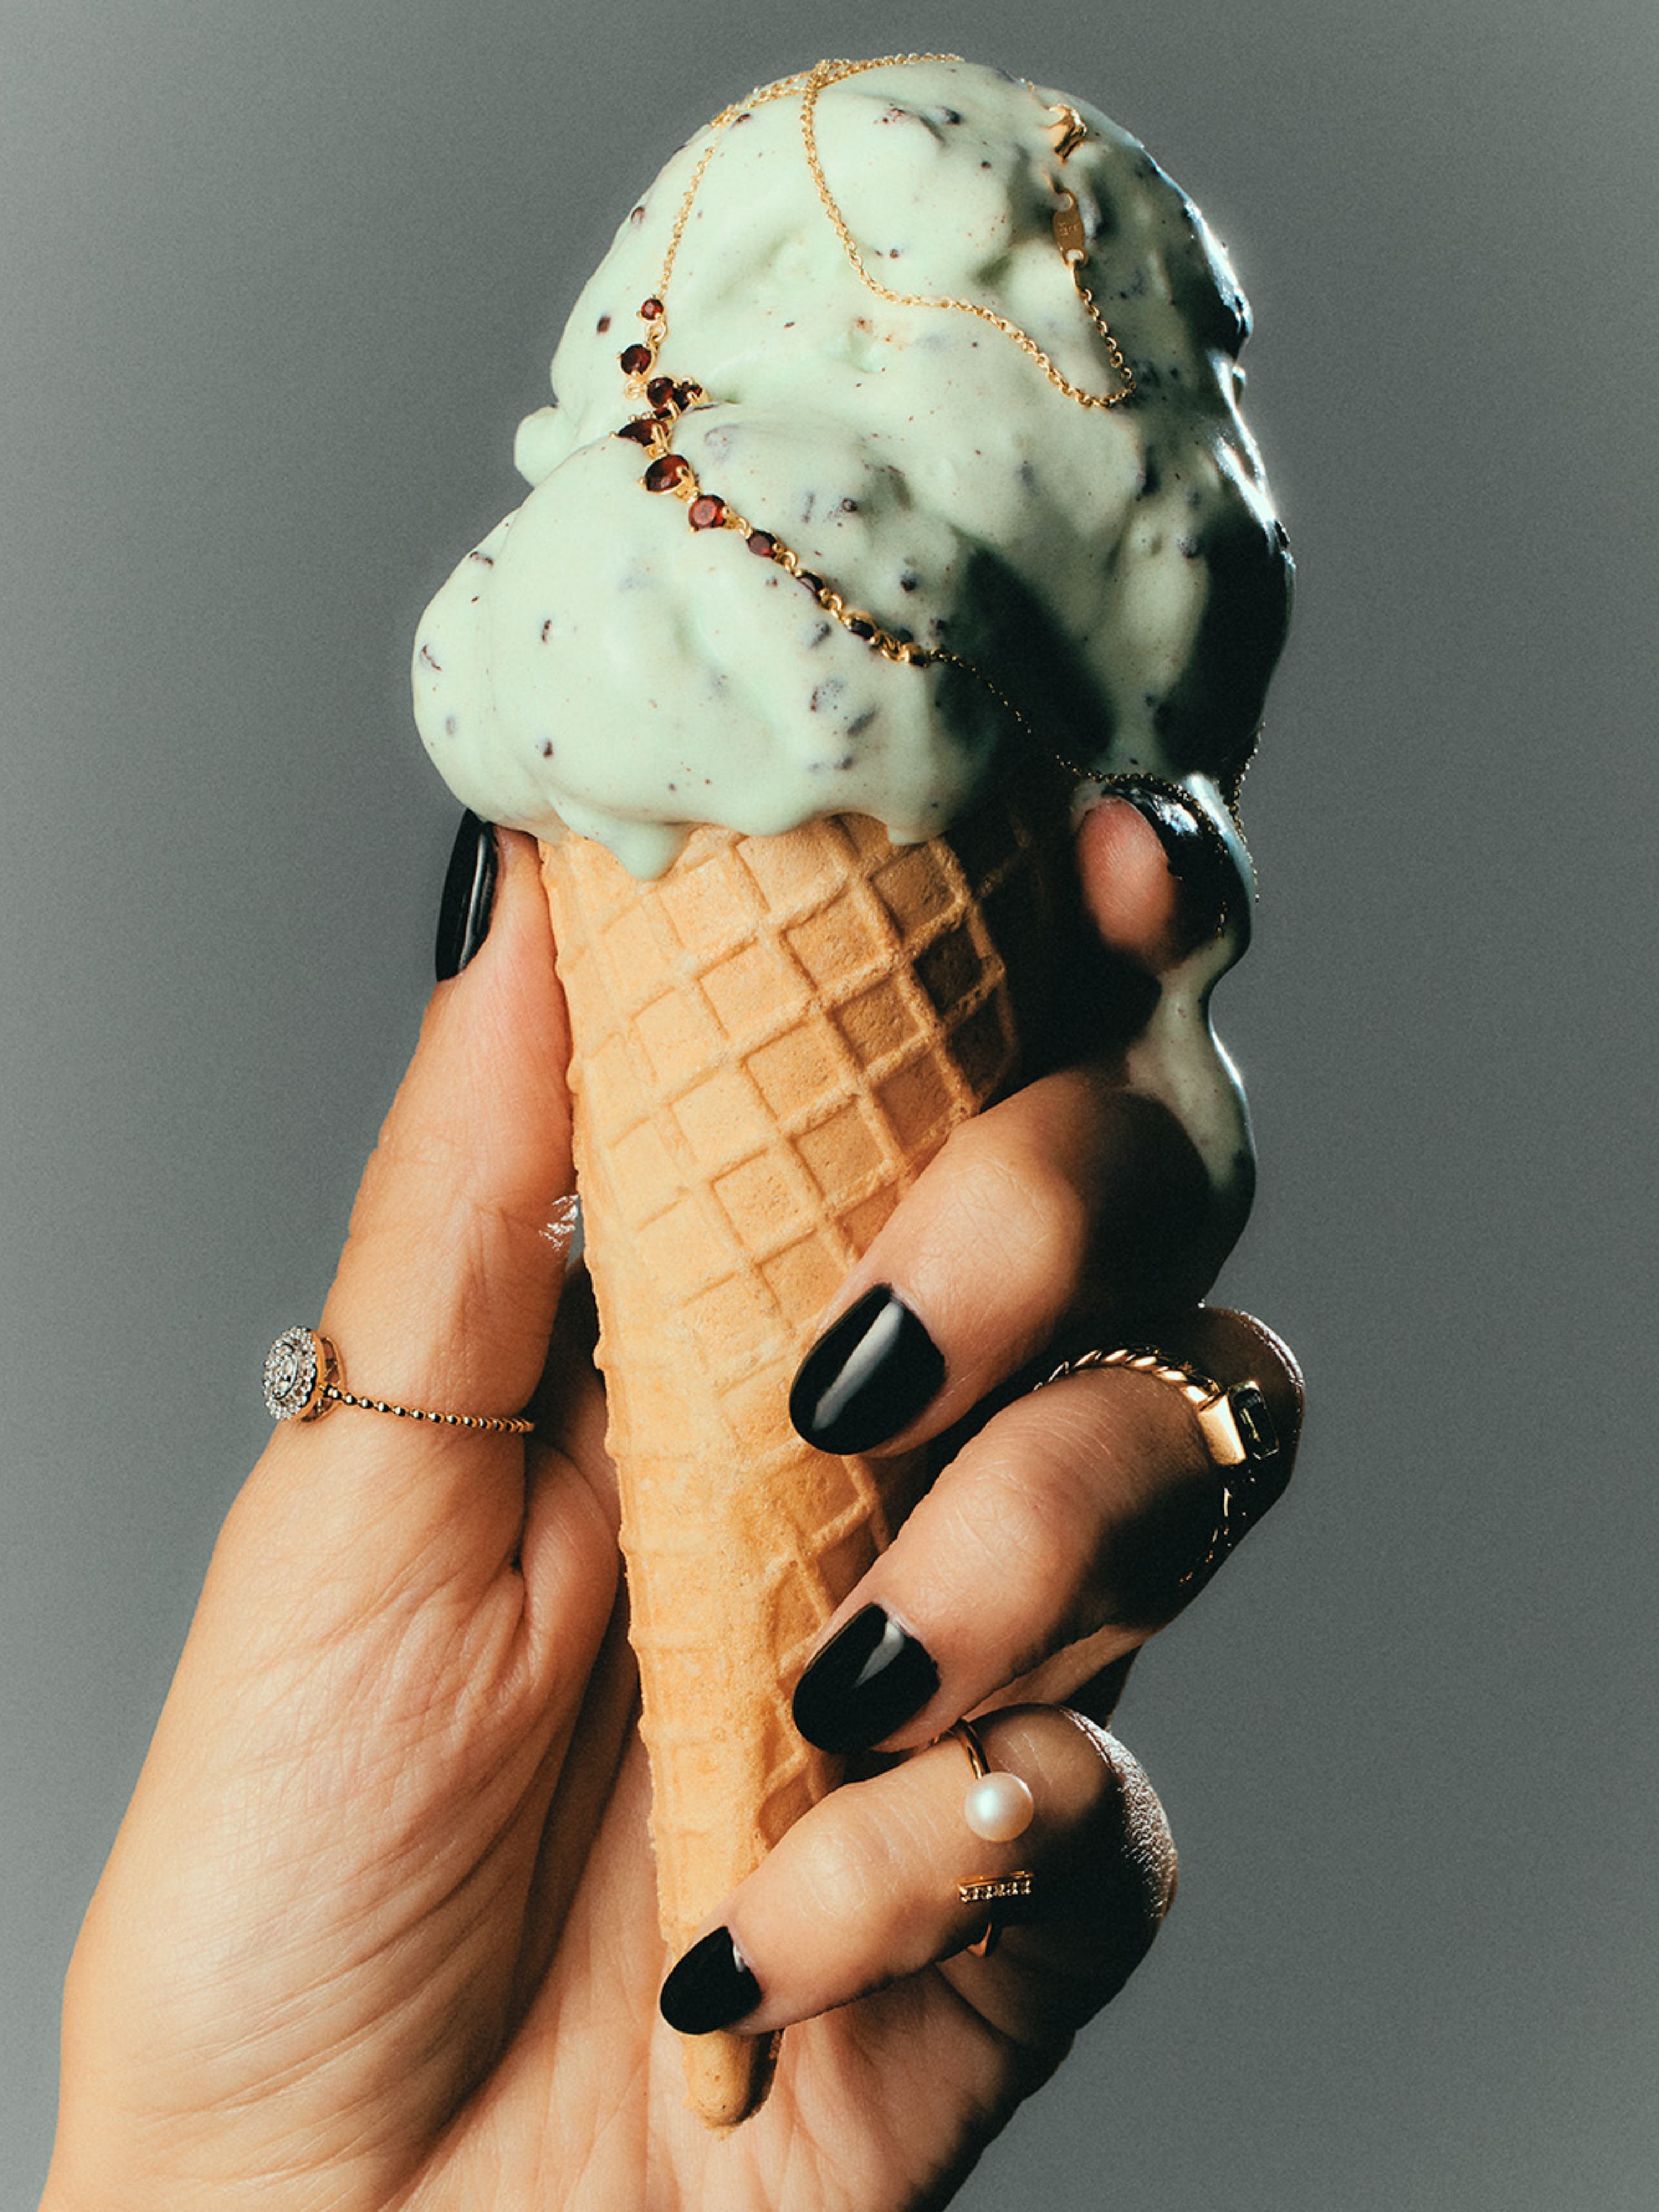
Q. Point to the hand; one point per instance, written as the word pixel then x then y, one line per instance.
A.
pixel 380 1926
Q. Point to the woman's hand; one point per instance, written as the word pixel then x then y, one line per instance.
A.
pixel 379 1928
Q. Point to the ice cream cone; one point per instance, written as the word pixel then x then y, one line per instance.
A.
pixel 769 1042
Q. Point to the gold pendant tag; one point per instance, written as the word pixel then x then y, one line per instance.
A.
pixel 1069 235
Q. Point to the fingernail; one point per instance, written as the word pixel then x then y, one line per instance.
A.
pixel 710 1987
pixel 1194 850
pixel 863 1685
pixel 469 896
pixel 867 1377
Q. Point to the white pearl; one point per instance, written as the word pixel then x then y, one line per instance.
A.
pixel 998 1807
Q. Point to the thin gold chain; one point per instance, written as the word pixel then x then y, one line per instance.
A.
pixel 1072 247
pixel 1069 235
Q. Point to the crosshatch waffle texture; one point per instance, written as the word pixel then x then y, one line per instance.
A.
pixel 770 1043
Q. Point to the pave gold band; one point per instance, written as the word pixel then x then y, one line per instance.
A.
pixel 998 1807
pixel 303 1382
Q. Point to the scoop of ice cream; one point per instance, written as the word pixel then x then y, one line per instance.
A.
pixel 1109 582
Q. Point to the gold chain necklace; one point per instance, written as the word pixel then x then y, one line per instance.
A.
pixel 667 397
pixel 1069 237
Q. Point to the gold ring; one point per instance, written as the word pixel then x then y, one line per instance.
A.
pixel 303 1382
pixel 1237 1426
pixel 1234 1423
pixel 999 1806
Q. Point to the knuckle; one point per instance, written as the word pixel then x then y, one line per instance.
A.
pixel 842 1865
pixel 1018 1534
pixel 1018 1204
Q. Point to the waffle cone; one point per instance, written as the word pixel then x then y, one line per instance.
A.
pixel 769 1042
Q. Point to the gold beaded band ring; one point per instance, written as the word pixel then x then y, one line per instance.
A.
pixel 998 1807
pixel 303 1382
pixel 1234 1423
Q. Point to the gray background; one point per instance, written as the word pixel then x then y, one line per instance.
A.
pixel 277 280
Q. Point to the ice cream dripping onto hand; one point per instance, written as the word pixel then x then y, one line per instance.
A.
pixel 999 493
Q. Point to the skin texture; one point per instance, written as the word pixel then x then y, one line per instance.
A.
pixel 379 1928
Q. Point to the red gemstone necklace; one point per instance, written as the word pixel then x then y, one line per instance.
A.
pixel 665 397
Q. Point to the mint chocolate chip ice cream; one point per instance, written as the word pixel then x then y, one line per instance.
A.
pixel 890 545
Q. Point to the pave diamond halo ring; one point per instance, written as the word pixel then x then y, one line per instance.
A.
pixel 303 1381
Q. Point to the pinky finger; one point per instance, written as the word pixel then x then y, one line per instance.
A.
pixel 869 1888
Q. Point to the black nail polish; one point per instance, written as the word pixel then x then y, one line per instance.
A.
pixel 1194 852
pixel 867 1377
pixel 469 896
pixel 710 1987
pixel 863 1685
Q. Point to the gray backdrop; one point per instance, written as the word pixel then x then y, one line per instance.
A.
pixel 279 276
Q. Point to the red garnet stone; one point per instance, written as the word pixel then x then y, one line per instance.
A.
pixel 649 310
pixel 666 471
pixel 763 543
pixel 707 512
pixel 636 360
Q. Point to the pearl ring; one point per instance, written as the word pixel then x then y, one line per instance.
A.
pixel 998 1807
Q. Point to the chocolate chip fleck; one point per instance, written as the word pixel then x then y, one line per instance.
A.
pixel 603 325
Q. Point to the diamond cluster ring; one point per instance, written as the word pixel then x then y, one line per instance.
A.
pixel 303 1382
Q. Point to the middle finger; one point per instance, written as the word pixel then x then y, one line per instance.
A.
pixel 1093 1510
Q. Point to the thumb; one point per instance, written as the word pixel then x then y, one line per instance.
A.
pixel 447 1289
pixel 450 1280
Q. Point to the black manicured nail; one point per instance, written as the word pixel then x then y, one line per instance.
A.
pixel 469 896
pixel 863 1685
pixel 710 1987
pixel 867 1377
pixel 1194 850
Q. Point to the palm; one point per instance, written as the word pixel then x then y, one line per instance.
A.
pixel 397 1904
